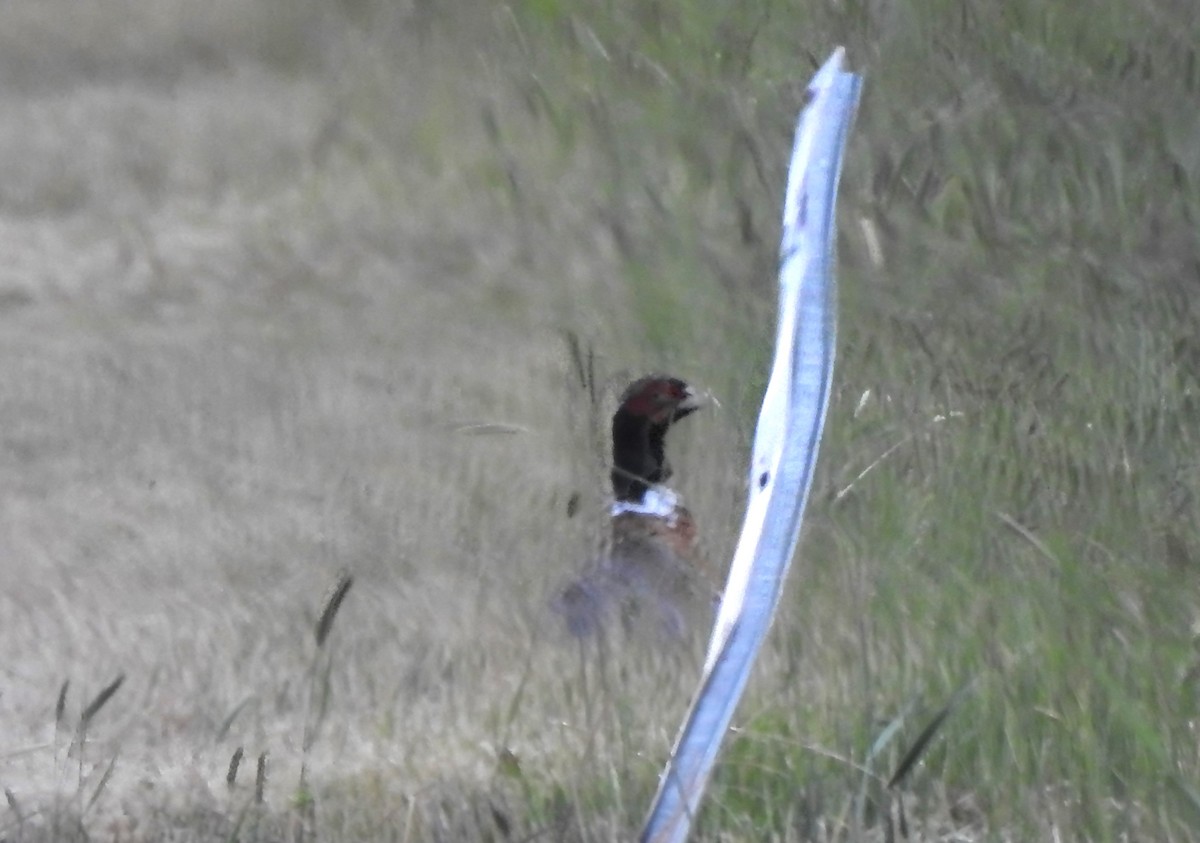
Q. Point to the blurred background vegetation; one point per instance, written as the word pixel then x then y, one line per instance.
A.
pixel 264 259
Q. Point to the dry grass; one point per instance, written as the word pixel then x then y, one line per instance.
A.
pixel 286 291
pixel 240 342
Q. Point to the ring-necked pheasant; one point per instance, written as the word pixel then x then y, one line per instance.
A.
pixel 651 573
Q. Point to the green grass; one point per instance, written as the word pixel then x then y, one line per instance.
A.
pixel 264 264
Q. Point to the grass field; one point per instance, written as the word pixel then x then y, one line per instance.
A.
pixel 286 291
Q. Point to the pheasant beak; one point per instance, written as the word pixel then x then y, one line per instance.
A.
pixel 692 401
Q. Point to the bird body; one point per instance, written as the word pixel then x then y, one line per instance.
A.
pixel 651 576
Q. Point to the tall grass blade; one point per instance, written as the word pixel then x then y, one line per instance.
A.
pixel 108 771
pixel 227 723
pixel 881 742
pixel 14 806
pixel 927 734
pixel 1191 796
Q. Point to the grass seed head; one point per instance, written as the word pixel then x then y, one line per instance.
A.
pixel 325 622
pixel 260 778
pixel 102 698
pixel 234 763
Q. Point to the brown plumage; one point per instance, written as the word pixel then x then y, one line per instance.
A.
pixel 651 575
